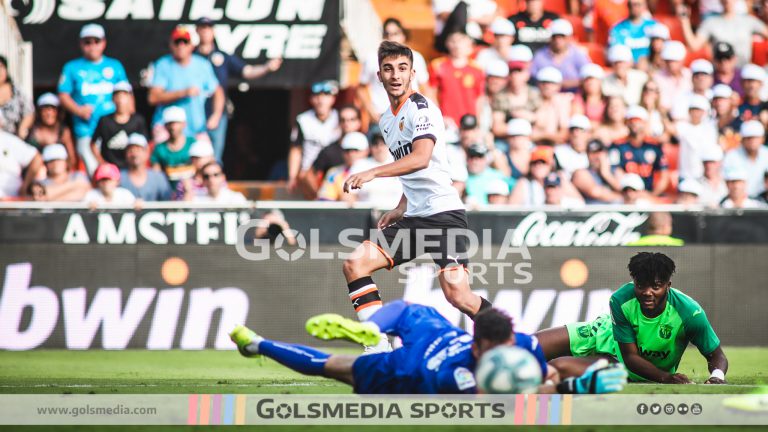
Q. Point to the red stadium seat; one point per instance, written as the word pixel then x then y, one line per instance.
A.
pixel 509 7
pixel 703 53
pixel 759 51
pixel 596 52
pixel 673 23
pixel 579 33
pixel 559 7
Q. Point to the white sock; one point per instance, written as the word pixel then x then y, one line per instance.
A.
pixel 253 347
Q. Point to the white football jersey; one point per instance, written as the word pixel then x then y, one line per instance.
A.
pixel 429 190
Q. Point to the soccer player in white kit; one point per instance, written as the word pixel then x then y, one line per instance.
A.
pixel 415 134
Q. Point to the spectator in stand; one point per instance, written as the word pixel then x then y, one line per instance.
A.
pixel 738 197
pixel 333 154
pixel 634 31
pixel 49 128
pixel 623 81
pixel 185 80
pixel 498 192
pixel 110 139
pixel 503 37
pixel 659 123
pixel 382 192
pixel 371 92
pixel 457 80
pixel 613 128
pixel 216 189
pixel 145 184
pixel 470 134
pixel 523 98
pixel 713 188
pixel 563 54
pixel 701 83
pixel 674 79
pixel 496 105
pixel 172 156
pixel 606 13
pixel 554 111
pixel 17 158
pixel 85 88
pixel 36 192
pixel 225 65
pixel 689 192
pixel 696 136
pixel 200 154
pixel 732 27
pixel 554 195
pixel 762 197
pixel 532 25
pixel 658 35
pixel 726 70
pixel 16 110
pixel 597 183
pixel 640 155
pixel 751 158
pixel 572 156
pixel 60 183
pixel 725 117
pixel 481 175
pixel 633 190
pixel 107 178
pixel 752 107
pixel 529 190
pixel 589 100
pixel 520 145
pixel 658 232
pixel 314 130
pixel 355 147
pixel 471 16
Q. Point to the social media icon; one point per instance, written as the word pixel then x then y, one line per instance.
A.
pixel 642 409
pixel 669 409
pixel 696 409
pixel 682 409
pixel 655 409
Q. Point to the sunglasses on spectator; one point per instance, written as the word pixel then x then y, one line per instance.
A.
pixel 181 41
pixel 323 87
pixel 90 41
pixel 210 175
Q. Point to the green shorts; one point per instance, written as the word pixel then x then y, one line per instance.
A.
pixel 593 338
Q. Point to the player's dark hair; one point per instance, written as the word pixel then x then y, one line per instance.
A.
pixel 399 25
pixel 4 62
pixel 493 325
pixel 647 268
pixel 389 49
pixel 349 106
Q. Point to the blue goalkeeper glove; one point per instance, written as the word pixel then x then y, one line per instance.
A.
pixel 600 377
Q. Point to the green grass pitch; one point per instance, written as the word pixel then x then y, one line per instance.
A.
pixel 140 371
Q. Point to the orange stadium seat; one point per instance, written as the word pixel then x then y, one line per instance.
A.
pixel 509 7
pixel 703 53
pixel 559 7
pixel 759 51
pixel 596 52
pixel 578 27
pixel 673 23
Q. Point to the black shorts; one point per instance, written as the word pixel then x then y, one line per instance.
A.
pixel 441 235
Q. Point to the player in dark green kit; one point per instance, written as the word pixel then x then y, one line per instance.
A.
pixel 649 327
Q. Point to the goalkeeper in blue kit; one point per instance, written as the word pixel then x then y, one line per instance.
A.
pixel 436 357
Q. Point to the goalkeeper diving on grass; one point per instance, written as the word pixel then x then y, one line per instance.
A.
pixel 436 356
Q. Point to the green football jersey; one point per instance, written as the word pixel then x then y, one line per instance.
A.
pixel 663 339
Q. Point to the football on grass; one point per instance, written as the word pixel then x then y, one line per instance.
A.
pixel 508 369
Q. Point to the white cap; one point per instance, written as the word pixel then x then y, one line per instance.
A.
pixel 502 26
pixel 354 141
pixel 137 139
pixel 620 53
pixel 698 102
pixel 751 129
pixel 673 51
pixel 174 114
pixel 123 86
pixel 579 121
pixel 201 149
pixel 658 31
pixel 549 74
pixel 636 111
pixel 54 152
pixel 632 181
pixel 519 127
pixel 520 53
pixel 497 68
pixel 561 27
pixel 48 99
pixel 735 173
pixel 712 153
pixel 92 31
pixel 752 72
pixel 702 66
pixel 497 187
pixel 722 91
pixel 591 70
pixel 690 186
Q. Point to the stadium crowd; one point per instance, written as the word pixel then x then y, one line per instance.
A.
pixel 602 102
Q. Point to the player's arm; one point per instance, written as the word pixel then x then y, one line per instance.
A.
pixel 642 367
pixel 600 377
pixel 717 364
pixel 393 215
pixel 418 159
pixel 703 336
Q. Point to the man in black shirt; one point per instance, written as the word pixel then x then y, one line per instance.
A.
pixel 533 25
pixel 110 138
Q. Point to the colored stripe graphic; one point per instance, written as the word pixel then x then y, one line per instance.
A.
pixel 229 410
pixel 216 413
pixel 543 407
pixel 519 407
pixel 205 409
pixel 240 410
pixel 567 409
pixel 192 410
pixel 554 409
pixel 530 414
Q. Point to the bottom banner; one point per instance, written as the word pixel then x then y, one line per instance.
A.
pixel 532 409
